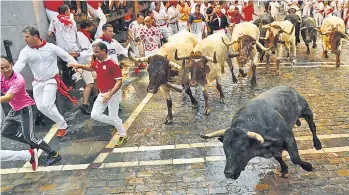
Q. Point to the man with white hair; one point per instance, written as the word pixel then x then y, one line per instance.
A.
pixel 151 37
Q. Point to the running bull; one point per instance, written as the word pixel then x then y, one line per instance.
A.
pixel 164 71
pixel 282 33
pixel 263 127
pixel 245 37
pixel 308 32
pixel 333 31
pixel 263 20
pixel 205 65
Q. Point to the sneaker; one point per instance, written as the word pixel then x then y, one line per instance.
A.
pixel 122 141
pixel 84 109
pixel 61 132
pixel 51 159
pixel 34 158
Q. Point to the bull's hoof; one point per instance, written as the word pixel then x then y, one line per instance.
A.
pixel 307 166
pixel 253 82
pixel 318 145
pixel 168 121
pixel 242 73
pixel 308 51
pixel 314 45
pixel 282 173
pixel 337 65
pixel 235 80
pixel 221 101
pixel 278 73
pixel 195 105
pixel 207 111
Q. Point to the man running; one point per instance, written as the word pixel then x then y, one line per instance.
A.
pixel 42 60
pixel 21 115
pixel 109 80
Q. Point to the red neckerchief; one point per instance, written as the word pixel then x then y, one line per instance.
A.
pixel 219 14
pixel 86 33
pixel 107 39
pixel 64 19
pixel 43 43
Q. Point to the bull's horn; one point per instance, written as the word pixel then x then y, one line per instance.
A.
pixel 343 35
pixel 212 59
pixel 233 55
pixel 263 38
pixel 180 58
pixel 219 133
pixel 175 87
pixel 299 21
pixel 229 43
pixel 174 65
pixel 255 136
pixel 262 47
pixel 142 59
pixel 268 27
pixel 317 29
pixel 275 26
pixel 303 28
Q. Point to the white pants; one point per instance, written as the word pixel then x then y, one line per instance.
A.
pixel 113 108
pixel 164 31
pixel 182 25
pixel 44 93
pixel 102 19
pixel 2 115
pixel 306 12
pixel 319 18
pixel 10 155
pixel 274 14
pixel 150 53
pixel 173 28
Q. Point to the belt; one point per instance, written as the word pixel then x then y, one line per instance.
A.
pixel 63 89
pixel 174 22
pixel 163 24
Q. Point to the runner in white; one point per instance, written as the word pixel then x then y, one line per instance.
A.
pixel 30 155
pixel 184 11
pixel 161 18
pixel 64 29
pixel 274 8
pixel 319 17
pixel 84 42
pixel 42 60
pixel 307 8
pixel 173 17
pixel 133 31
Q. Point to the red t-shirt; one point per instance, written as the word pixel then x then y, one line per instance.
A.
pixel 107 72
pixel 248 11
pixel 52 5
pixel 93 3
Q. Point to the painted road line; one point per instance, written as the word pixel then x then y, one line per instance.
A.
pixel 157 162
pixel 49 136
pixel 305 66
pixel 100 158
pixel 209 144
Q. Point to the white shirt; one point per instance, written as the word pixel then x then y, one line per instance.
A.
pixel 84 44
pixel 114 49
pixel 65 35
pixel 173 12
pixel 42 61
pixel 274 7
pixel 158 17
pixel 152 6
pixel 334 6
pixel 134 28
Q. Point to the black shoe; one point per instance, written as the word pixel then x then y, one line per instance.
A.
pixel 84 109
pixel 51 159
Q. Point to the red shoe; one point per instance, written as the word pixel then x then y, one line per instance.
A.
pixel 61 132
pixel 142 66
pixel 34 158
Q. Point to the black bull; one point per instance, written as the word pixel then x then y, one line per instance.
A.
pixel 263 127
pixel 308 32
pixel 263 20
pixel 161 73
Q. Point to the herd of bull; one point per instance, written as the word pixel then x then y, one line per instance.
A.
pixel 271 115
